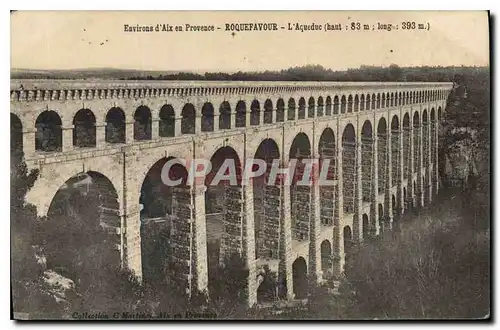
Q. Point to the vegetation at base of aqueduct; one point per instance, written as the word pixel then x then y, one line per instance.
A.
pixel 436 265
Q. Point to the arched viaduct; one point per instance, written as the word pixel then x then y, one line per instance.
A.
pixel 381 138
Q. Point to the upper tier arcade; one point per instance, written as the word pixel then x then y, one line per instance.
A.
pixel 57 116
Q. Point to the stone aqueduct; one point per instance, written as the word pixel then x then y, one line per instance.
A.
pixel 381 138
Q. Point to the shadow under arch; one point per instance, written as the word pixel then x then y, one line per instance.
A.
pixel 16 134
pixel 367 161
pixel 382 154
pixel 115 126
pixel 227 270
pixel 300 194
pixel 349 173
pixel 48 136
pixel 165 213
pixel 395 150
pixel 266 204
pixel 300 281
pixel 327 163
pixel 82 230
pixel 84 131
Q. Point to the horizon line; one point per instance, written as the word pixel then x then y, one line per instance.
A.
pixel 255 71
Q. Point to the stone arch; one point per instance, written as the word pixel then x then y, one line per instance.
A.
pixel 266 204
pixel 326 257
pixel 165 215
pixel 300 194
pixel 381 217
pixel 241 114
pixel 356 103
pixel 188 121
pixel 366 227
pixel 142 123
pixel 166 125
pixel 349 173
pixel 336 105
pixel 302 108
pixel 268 111
pixel 343 104
pixel 311 108
pixel 406 120
pixel 115 126
pixel 224 115
pixel 425 141
pixel 84 130
pixel 300 282
pixel 383 101
pixel 367 161
pixel 280 110
pixel 406 146
pixel 16 134
pixel 382 154
pixel 362 102
pixel 406 204
pixel 426 187
pixel 255 113
pixel 328 156
pixel 416 119
pixel 382 125
pixel 291 109
pixel 348 242
pixel 48 135
pixel 368 102
pixel 395 150
pixel 374 101
pixel 392 99
pixel 207 117
pixel 395 207
pixel 349 104
pixel 223 214
pixel 82 226
pixel 417 141
pixel 378 100
pixel 320 107
pixel 328 106
pixel 415 191
pixel 433 142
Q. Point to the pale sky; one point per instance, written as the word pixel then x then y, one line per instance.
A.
pixel 72 39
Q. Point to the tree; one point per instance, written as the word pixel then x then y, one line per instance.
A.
pixel 30 294
pixel 395 72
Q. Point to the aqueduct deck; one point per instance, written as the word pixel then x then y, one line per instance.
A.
pixel 381 138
